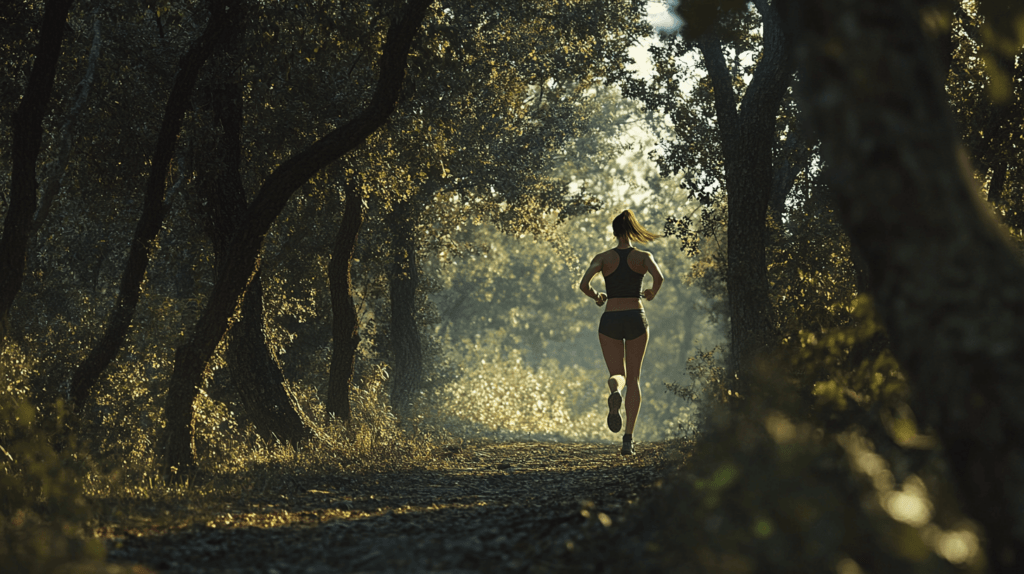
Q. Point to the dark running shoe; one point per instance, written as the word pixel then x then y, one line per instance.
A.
pixel 627 447
pixel 614 420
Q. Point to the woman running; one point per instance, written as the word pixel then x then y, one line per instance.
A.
pixel 623 328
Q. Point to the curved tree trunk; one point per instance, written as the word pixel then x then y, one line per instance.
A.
pixel 223 17
pixel 747 133
pixel 406 346
pixel 345 322
pixel 252 370
pixel 256 376
pixel 192 358
pixel 944 277
pixel 25 145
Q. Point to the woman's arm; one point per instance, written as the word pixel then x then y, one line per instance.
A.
pixel 655 271
pixel 595 266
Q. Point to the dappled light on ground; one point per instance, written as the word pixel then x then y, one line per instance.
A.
pixel 479 506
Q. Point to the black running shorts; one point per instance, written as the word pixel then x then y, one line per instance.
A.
pixel 628 324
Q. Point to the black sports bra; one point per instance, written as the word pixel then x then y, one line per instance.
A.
pixel 624 282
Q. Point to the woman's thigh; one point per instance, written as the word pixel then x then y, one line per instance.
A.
pixel 635 351
pixel 613 352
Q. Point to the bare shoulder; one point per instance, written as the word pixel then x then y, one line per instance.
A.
pixel 641 256
pixel 599 260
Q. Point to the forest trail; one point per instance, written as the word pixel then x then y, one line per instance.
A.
pixel 482 507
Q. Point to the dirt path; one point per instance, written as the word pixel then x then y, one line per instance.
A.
pixel 490 507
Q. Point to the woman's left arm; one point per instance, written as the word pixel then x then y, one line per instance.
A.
pixel 655 271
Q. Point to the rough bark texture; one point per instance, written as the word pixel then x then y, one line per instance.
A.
pixel 257 378
pixel 747 136
pixel 191 359
pixel 406 347
pixel 945 279
pixel 27 138
pixel 222 18
pixel 344 322
pixel 253 372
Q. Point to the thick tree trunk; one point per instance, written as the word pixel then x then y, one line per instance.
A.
pixel 25 145
pixel 252 370
pixel 256 376
pixel 944 276
pixel 192 358
pixel 747 137
pixel 345 322
pixel 406 346
pixel 222 18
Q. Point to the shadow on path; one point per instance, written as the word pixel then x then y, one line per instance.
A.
pixel 499 507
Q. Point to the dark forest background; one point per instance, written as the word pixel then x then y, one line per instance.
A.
pixel 234 228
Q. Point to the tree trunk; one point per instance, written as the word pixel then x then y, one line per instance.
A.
pixel 223 17
pixel 406 347
pixel 345 322
pixel 192 358
pixel 252 370
pixel 943 274
pixel 257 378
pixel 25 144
pixel 996 184
pixel 747 137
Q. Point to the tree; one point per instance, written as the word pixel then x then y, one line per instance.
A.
pixel 741 151
pixel 252 369
pixel 496 95
pixel 344 322
pixel 191 359
pixel 224 17
pixel 943 274
pixel 26 141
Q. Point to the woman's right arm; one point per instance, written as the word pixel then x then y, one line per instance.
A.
pixel 655 271
pixel 588 276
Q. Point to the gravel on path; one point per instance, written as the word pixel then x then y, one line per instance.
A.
pixel 486 507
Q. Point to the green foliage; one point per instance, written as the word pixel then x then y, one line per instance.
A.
pixel 848 364
pixel 500 395
pixel 986 87
pixel 520 295
pixel 42 507
pixel 765 493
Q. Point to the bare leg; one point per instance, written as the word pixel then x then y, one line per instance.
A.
pixel 635 350
pixel 614 357
pixel 613 351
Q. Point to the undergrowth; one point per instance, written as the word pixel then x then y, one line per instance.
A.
pixel 237 467
pixel 820 469
pixel 499 395
pixel 42 503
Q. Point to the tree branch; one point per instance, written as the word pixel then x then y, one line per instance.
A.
pixel 224 15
